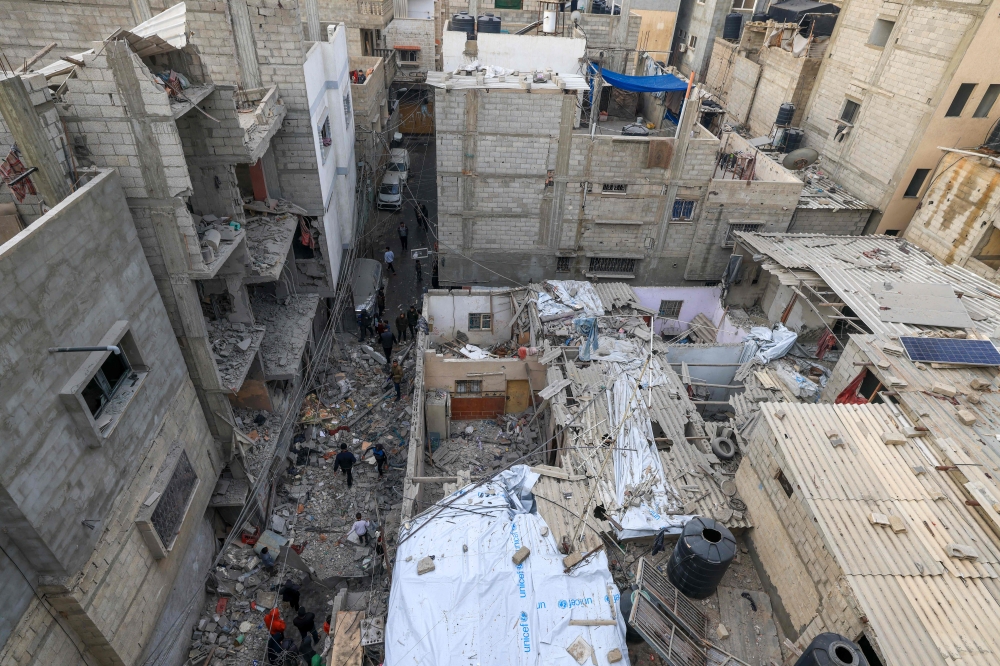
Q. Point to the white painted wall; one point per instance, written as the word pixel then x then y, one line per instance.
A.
pixel 447 313
pixel 420 9
pixel 515 52
pixel 327 77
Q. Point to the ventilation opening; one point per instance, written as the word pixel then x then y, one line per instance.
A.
pixel 712 536
pixel 866 649
pixel 844 654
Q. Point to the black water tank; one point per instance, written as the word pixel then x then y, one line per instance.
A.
pixel 759 18
pixel 832 650
pixel 731 28
pixel 993 139
pixel 462 22
pixel 625 604
pixel 793 139
pixel 701 557
pixel 489 23
pixel 785 113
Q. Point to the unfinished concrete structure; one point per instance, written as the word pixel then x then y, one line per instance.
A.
pixel 109 460
pixel 900 81
pixel 522 183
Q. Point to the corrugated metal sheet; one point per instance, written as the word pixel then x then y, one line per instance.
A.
pixel 924 607
pixel 821 193
pixel 840 262
pixel 615 295
pixel 169 26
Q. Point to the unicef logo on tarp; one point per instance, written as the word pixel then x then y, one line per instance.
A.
pixel 563 603
pixel 572 603
pixel 525 633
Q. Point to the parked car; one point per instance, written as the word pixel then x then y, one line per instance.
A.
pixel 365 282
pixel 399 162
pixel 390 192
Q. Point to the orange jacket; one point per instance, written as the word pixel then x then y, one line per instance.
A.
pixel 273 621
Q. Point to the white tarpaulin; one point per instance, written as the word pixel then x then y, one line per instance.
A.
pixel 576 293
pixel 770 344
pixel 477 608
pixel 650 502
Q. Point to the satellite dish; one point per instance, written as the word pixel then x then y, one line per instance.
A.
pixel 799 159
pixel 575 16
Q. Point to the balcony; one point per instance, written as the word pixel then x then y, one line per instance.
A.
pixel 374 14
pixel 261 112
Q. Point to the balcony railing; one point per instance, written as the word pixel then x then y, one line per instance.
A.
pixel 375 8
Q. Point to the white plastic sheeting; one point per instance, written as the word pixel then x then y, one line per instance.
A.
pixel 574 294
pixel 769 344
pixel 477 607
pixel 641 488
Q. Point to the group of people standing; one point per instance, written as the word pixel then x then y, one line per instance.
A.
pixel 281 646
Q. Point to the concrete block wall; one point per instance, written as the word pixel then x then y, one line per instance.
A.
pixel 846 222
pixel 27 27
pixel 898 87
pixel 414 32
pixel 806 585
pixel 845 371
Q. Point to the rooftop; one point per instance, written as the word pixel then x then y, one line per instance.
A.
pixel 513 81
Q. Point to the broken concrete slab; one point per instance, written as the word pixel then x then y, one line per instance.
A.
pixel 425 565
pixel 579 649
pixel 966 417
pixel 944 389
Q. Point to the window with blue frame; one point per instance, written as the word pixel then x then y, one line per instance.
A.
pixel 683 210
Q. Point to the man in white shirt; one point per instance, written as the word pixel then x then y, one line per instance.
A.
pixel 360 528
pixel 389 258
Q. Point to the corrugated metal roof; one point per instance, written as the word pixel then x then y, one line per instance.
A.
pixel 822 193
pixel 841 263
pixel 616 295
pixel 924 607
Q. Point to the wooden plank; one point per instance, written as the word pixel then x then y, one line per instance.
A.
pixel 347 650
pixel 743 623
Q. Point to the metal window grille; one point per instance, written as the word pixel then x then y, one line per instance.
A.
pixel 614 188
pixel 683 210
pixel 169 511
pixel 733 228
pixel 468 386
pixel 102 387
pixel 480 321
pixel 611 265
pixel 563 264
pixel 347 111
pixel 671 309
pixel 678 607
pixel 665 635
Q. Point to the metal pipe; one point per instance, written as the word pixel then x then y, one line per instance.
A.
pixel 110 348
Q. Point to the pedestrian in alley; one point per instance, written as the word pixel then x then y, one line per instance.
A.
pixel 425 217
pixel 380 326
pixel 381 457
pixel 274 648
pixel 290 593
pixel 306 650
pixel 360 528
pixel 403 232
pixel 389 258
pixel 418 215
pixel 401 327
pixel 345 460
pixel 326 623
pixel 364 325
pixel 387 338
pixel 412 317
pixel 275 625
pixel 380 301
pixel 306 624
pixel 397 379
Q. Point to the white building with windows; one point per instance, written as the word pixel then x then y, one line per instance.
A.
pixel 328 87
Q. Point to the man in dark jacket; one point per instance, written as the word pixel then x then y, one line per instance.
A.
pixel 426 218
pixel 364 325
pixel 401 327
pixel 380 300
pixel 387 339
pixel 381 457
pixel 306 649
pixel 306 624
pixel 290 593
pixel 345 460
pixel 412 316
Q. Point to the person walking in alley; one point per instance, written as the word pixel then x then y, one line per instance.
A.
pixel 397 380
pixel 345 460
pixel 387 338
pixel 364 325
pixel 381 457
pixel 306 649
pixel 403 232
pixel 290 593
pixel 418 215
pixel 412 317
pixel 389 258
pixel 401 327
pixel 380 301
pixel 425 217
pixel 306 624
pixel 360 528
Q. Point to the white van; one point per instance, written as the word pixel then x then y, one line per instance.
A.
pixel 399 162
pixel 390 192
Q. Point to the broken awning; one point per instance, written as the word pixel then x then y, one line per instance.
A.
pixel 642 84
pixel 406 48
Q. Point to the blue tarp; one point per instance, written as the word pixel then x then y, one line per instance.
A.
pixel 643 84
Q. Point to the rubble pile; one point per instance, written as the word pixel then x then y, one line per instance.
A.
pixel 485 447
pixel 233 347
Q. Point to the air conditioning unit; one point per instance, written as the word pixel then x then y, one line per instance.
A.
pixel 682 47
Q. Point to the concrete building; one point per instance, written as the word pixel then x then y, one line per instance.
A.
pixel 109 461
pixel 899 82
pixel 521 182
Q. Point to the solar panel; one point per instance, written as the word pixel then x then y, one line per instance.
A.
pixel 945 350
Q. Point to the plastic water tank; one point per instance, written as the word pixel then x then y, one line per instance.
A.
pixel 832 650
pixel 785 113
pixel 462 22
pixel 700 558
pixel 489 23
pixel 549 17
pixel 732 26
pixel 760 17
pixel 793 139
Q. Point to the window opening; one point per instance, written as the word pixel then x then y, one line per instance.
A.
pixel 468 386
pixel 101 389
pixel 480 321
pixel 958 103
